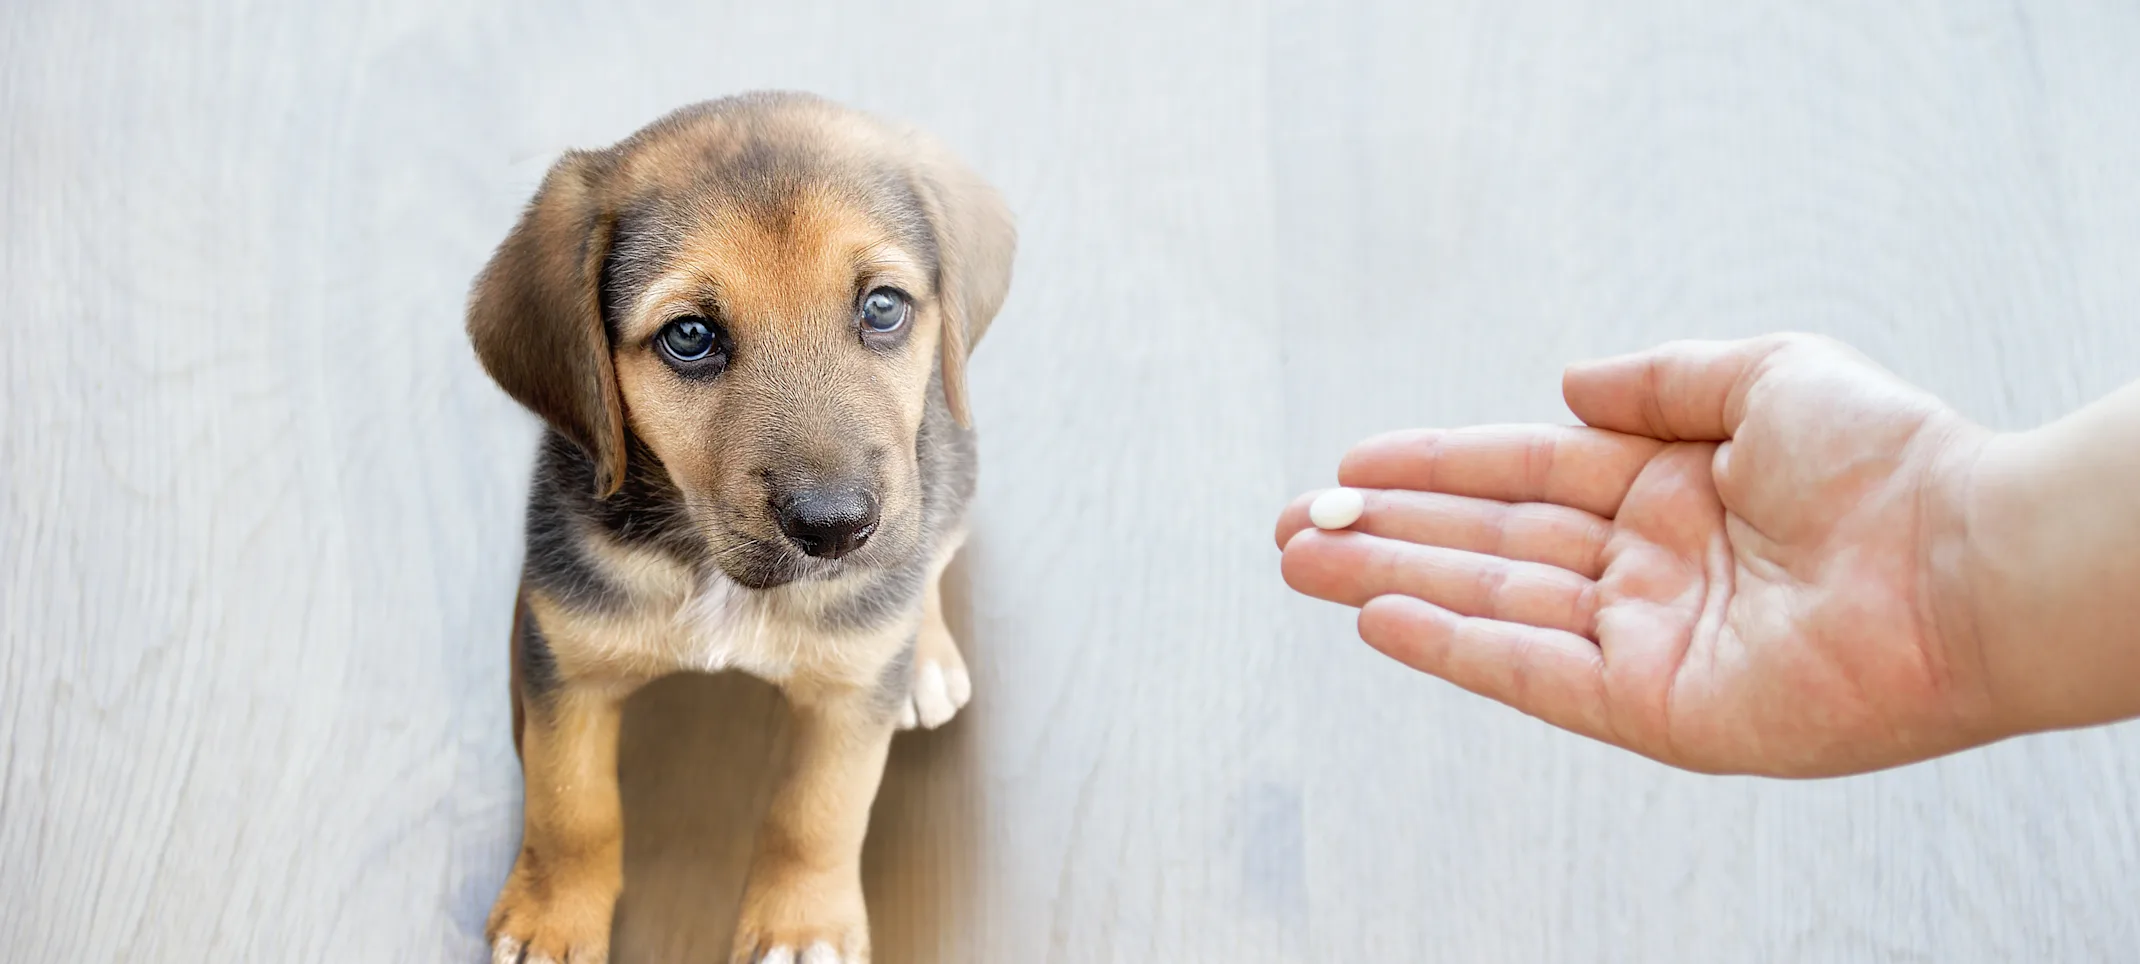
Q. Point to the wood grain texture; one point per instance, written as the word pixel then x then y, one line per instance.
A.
pixel 259 508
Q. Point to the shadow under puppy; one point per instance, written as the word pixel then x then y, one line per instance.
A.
pixel 746 327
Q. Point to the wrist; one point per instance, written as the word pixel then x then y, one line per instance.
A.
pixel 2050 575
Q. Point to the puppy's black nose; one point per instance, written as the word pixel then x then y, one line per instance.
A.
pixel 827 522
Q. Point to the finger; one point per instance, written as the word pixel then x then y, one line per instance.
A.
pixel 1295 517
pixel 1582 468
pixel 1693 391
pixel 1350 568
pixel 1555 676
pixel 1526 532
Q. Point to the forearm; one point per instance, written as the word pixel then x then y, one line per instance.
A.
pixel 2053 567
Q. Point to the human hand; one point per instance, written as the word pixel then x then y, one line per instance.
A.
pixel 1751 561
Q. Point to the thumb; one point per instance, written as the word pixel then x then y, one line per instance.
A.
pixel 1684 391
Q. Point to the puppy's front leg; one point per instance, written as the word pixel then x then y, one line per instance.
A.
pixel 803 902
pixel 556 906
pixel 941 684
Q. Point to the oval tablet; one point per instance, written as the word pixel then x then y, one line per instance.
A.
pixel 1336 508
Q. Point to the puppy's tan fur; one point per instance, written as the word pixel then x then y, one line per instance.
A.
pixel 655 529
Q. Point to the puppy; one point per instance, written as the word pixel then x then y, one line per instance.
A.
pixel 747 328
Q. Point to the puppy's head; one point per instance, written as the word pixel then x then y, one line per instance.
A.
pixel 759 289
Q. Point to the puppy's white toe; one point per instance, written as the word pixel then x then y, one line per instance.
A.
pixel 820 953
pixel 778 955
pixel 932 696
pixel 959 685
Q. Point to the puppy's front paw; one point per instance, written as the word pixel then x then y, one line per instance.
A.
pixel 550 921
pixel 802 921
pixel 941 685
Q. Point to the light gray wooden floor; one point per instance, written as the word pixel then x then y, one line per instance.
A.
pixel 259 509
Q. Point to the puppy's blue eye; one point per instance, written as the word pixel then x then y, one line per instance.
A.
pixel 884 310
pixel 689 339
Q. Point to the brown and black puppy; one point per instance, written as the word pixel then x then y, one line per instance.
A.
pixel 747 327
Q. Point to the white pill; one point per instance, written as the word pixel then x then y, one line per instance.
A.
pixel 1336 508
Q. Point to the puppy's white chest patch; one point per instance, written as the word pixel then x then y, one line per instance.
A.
pixel 726 626
pixel 770 634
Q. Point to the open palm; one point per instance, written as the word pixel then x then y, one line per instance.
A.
pixel 1729 570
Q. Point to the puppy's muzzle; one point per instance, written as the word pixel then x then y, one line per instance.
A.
pixel 827 522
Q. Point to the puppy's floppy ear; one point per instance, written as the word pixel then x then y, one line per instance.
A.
pixel 975 243
pixel 535 314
